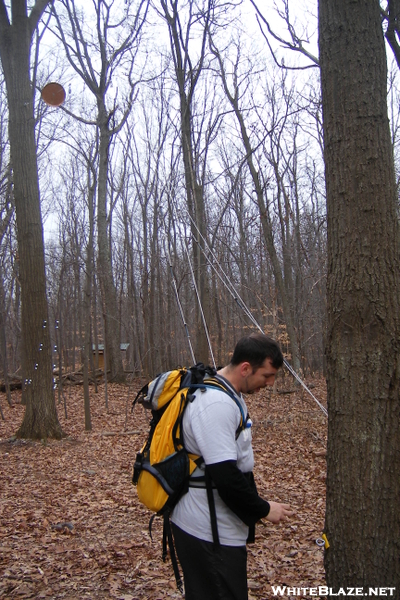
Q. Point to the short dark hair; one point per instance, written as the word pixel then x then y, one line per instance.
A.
pixel 254 349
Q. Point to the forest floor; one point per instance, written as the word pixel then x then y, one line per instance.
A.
pixel 71 526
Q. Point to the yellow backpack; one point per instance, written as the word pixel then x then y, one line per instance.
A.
pixel 163 467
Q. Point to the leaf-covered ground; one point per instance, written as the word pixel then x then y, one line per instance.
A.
pixel 71 526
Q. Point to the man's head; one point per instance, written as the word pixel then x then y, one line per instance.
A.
pixel 254 349
pixel 254 364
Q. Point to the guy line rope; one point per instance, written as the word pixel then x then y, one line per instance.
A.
pixel 225 280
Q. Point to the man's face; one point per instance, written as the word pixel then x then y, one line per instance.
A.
pixel 259 378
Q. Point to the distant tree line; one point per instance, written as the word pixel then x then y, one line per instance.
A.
pixel 162 160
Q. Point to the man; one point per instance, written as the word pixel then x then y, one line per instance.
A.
pixel 212 428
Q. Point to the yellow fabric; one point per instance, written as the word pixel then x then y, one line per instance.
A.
pixel 150 491
pixel 162 444
pixel 168 388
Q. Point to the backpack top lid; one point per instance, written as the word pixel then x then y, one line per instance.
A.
pixel 162 389
pixel 156 394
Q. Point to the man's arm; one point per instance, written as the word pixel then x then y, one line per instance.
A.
pixel 279 512
pixel 239 493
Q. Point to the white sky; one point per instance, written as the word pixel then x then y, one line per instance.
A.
pixel 304 21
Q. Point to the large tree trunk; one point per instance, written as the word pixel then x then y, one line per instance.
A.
pixel 363 358
pixel 40 420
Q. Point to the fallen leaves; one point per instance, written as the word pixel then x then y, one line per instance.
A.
pixel 71 526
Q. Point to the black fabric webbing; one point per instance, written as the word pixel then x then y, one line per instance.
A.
pixel 168 540
pixel 211 504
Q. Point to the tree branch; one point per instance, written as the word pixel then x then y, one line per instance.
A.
pixel 77 117
pixel 295 45
pixel 4 22
pixel 37 13
pixel 391 16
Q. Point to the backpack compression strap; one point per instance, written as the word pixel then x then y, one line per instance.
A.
pixel 169 541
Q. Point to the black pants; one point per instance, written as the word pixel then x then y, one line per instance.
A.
pixel 208 573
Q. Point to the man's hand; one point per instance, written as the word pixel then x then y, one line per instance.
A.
pixel 278 512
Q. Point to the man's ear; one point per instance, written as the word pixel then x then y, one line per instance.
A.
pixel 245 369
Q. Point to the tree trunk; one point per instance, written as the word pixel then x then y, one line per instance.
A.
pixel 196 208
pixel 40 419
pixel 194 189
pixel 363 366
pixel 87 302
pixel 108 291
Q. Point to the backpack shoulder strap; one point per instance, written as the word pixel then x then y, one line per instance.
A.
pixel 216 383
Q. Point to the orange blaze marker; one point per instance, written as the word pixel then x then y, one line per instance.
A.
pixel 53 94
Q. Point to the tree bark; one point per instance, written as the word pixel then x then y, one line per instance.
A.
pixel 363 366
pixel 40 419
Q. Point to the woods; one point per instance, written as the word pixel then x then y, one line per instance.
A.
pixel 167 170
pixel 192 136
pixel 40 418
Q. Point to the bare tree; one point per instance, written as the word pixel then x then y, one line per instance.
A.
pixel 113 55
pixel 40 419
pixel 91 181
pixel 4 225
pixel 293 41
pixel 234 96
pixel 7 209
pixel 182 21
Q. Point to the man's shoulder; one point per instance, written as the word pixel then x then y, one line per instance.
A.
pixel 212 399
pixel 221 383
pixel 217 386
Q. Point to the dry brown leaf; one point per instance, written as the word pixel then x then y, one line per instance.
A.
pixel 85 480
